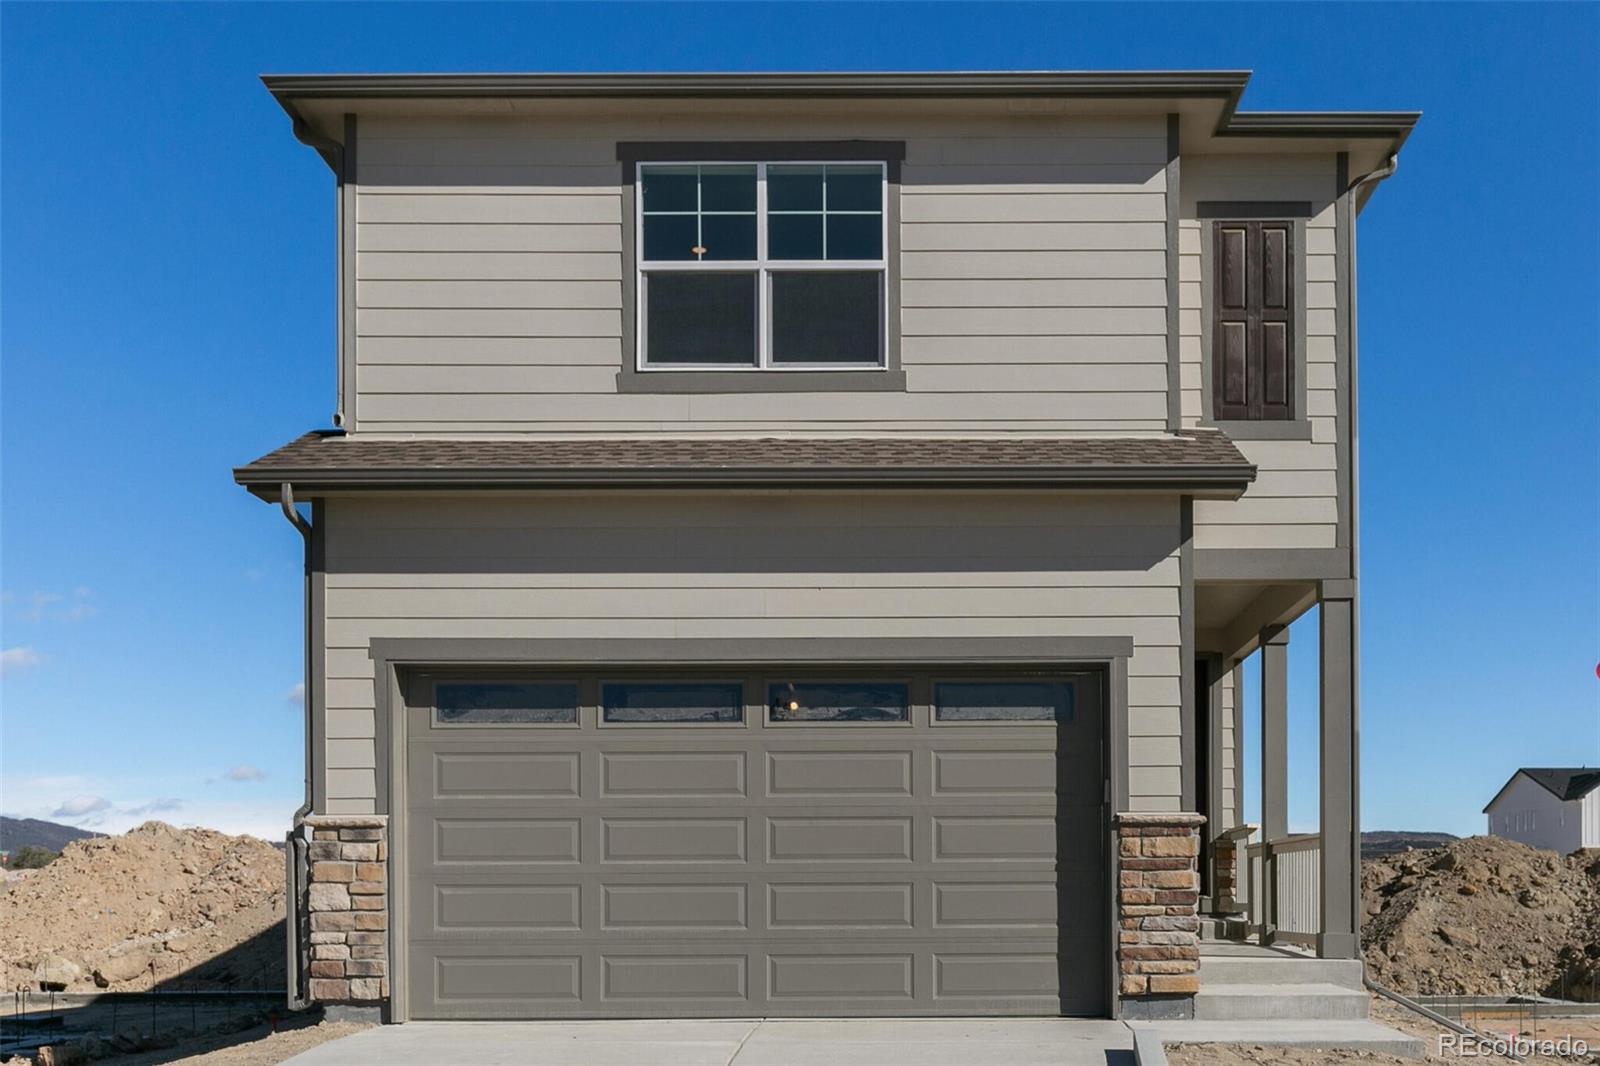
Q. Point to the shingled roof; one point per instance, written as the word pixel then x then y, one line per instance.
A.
pixel 1562 783
pixel 1206 462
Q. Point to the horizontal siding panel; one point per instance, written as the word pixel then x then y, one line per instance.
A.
pixel 751 603
pixel 480 322
pixel 1023 179
pixel 1293 483
pixel 1069 206
pixel 359 632
pixel 1153 785
pixel 1033 321
pixel 1139 147
pixel 348 783
pixel 1138 348
pixel 1209 534
pixel 1162 573
pixel 959 264
pixel 469 207
pixel 1033 292
pixel 488 237
pixel 485 351
pixel 1154 721
pixel 1155 751
pixel 513 295
pixel 1022 236
pixel 469 380
pixel 510 147
pixel 1065 377
pixel 767 408
pixel 350 753
pixel 353 723
pixel 1282 510
pixel 1288 455
pixel 489 266
pixel 489 179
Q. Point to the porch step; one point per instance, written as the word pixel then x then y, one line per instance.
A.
pixel 1224 930
pixel 1350 1035
pixel 1278 1002
pixel 1222 971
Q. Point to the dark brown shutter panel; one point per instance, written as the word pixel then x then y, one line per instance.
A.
pixel 1253 321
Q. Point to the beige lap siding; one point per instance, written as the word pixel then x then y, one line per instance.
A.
pixel 772 565
pixel 490 274
pixel 1294 501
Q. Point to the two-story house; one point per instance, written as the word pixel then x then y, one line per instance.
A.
pixel 787 541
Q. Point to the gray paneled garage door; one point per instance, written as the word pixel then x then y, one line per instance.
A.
pixel 729 844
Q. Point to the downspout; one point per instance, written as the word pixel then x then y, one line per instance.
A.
pixel 298 859
pixel 333 153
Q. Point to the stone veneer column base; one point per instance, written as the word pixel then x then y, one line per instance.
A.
pixel 347 899
pixel 1158 923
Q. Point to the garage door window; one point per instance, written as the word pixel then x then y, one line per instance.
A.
pixel 838 701
pixel 1002 701
pixel 672 702
pixel 506 703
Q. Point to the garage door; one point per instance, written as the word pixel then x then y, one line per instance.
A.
pixel 816 843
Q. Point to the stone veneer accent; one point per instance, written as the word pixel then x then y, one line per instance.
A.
pixel 347 899
pixel 1158 901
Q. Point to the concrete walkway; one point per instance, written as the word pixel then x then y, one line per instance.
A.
pixel 822 1042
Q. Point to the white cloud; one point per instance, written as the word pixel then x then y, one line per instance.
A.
pixel 14 659
pixel 54 607
pixel 155 806
pixel 296 694
pixel 81 806
pixel 245 772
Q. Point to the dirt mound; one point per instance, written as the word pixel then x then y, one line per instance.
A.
pixel 1483 916
pixel 177 908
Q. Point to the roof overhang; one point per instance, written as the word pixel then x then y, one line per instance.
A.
pixel 322 463
pixel 1207 101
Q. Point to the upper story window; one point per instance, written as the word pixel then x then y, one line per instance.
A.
pixel 762 266
pixel 1253 329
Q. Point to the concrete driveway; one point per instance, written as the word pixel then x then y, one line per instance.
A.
pixel 822 1042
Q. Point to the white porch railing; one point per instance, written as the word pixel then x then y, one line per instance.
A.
pixel 1293 864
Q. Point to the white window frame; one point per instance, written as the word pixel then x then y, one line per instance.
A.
pixel 763 268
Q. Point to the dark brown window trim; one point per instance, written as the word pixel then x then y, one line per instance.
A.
pixel 887 378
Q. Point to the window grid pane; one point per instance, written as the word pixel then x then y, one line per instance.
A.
pixel 846 234
pixel 839 701
pixel 506 703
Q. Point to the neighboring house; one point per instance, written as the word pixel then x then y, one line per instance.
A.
pixel 788 541
pixel 1554 809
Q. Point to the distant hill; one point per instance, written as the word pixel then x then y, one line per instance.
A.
pixel 18 833
pixel 1388 841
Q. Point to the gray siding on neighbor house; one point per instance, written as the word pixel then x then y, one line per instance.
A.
pixel 491 274
pixel 1294 502
pixel 754 565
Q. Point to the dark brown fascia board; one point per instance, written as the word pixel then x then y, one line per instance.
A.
pixel 1226 480
pixel 1394 126
pixel 1226 84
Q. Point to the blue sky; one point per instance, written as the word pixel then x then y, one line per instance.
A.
pixel 167 312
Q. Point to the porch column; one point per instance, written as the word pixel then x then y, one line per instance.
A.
pixel 1340 926
pixel 1274 732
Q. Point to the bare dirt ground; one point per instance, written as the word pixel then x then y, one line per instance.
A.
pixel 1486 917
pixel 252 1047
pixel 155 907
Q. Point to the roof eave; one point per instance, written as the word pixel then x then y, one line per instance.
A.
pixel 1225 84
pixel 1224 482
